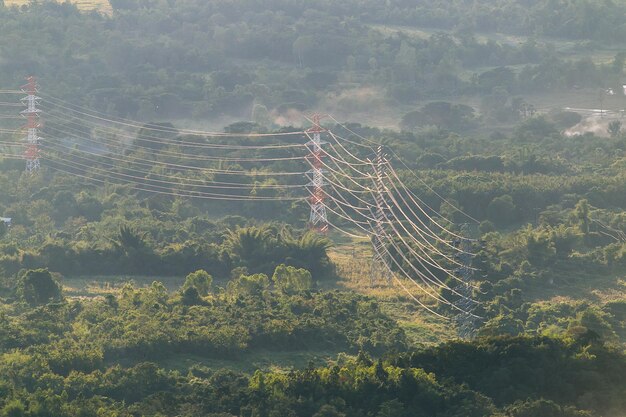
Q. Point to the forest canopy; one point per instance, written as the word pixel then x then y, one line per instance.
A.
pixel 164 259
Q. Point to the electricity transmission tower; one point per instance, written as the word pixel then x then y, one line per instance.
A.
pixel 318 219
pixel 380 261
pixel 466 321
pixel 31 154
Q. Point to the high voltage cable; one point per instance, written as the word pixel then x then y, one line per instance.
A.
pixel 424 239
pixel 422 247
pixel 158 189
pixel 390 222
pixel 419 258
pixel 150 186
pixel 180 182
pixel 408 169
pixel 189 195
pixel 136 124
pixel 420 201
pixel 11 156
pixel 180 154
pixel 147 181
pixel 427 281
pixel 418 217
pixel 217 159
pixel 416 228
pixel 152 163
pixel 173 142
pixel 412 197
pixel 408 191
pixel 202 182
pixel 420 232
pixel 431 234
pixel 437 298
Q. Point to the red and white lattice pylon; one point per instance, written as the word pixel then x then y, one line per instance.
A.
pixel 318 219
pixel 33 124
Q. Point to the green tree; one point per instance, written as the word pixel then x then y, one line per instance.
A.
pixel 581 215
pixel 501 210
pixel 128 239
pixel 156 136
pixel 328 410
pixel 618 63
pixel 441 114
pixel 392 408
pixel 249 244
pixel 89 207
pixel 191 297
pixel 38 287
pixel 65 205
pixel 13 408
pixel 289 279
pixel 486 227
pixel 200 280
pixel 615 128
pixel 252 285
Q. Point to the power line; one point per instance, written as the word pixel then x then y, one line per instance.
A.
pixel 122 132
pixel 131 123
pixel 203 182
pixel 408 169
pixel 140 186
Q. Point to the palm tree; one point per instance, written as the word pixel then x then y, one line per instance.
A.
pixel 249 244
pixel 129 239
pixel 309 251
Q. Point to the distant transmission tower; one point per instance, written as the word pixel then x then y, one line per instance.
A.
pixel 31 154
pixel 466 321
pixel 379 271
pixel 318 219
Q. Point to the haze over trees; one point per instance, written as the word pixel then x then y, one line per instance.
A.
pixel 116 300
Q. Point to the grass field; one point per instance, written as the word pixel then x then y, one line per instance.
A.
pixel 102 6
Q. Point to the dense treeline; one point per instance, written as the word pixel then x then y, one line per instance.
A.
pixel 258 249
pixel 172 60
pixel 531 368
pixel 490 378
pixel 201 319
pixel 574 209
pixel 545 209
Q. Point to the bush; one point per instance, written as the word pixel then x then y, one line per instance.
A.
pixel 38 287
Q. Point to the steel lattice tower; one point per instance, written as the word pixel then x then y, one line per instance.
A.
pixel 31 154
pixel 380 270
pixel 318 219
pixel 466 321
